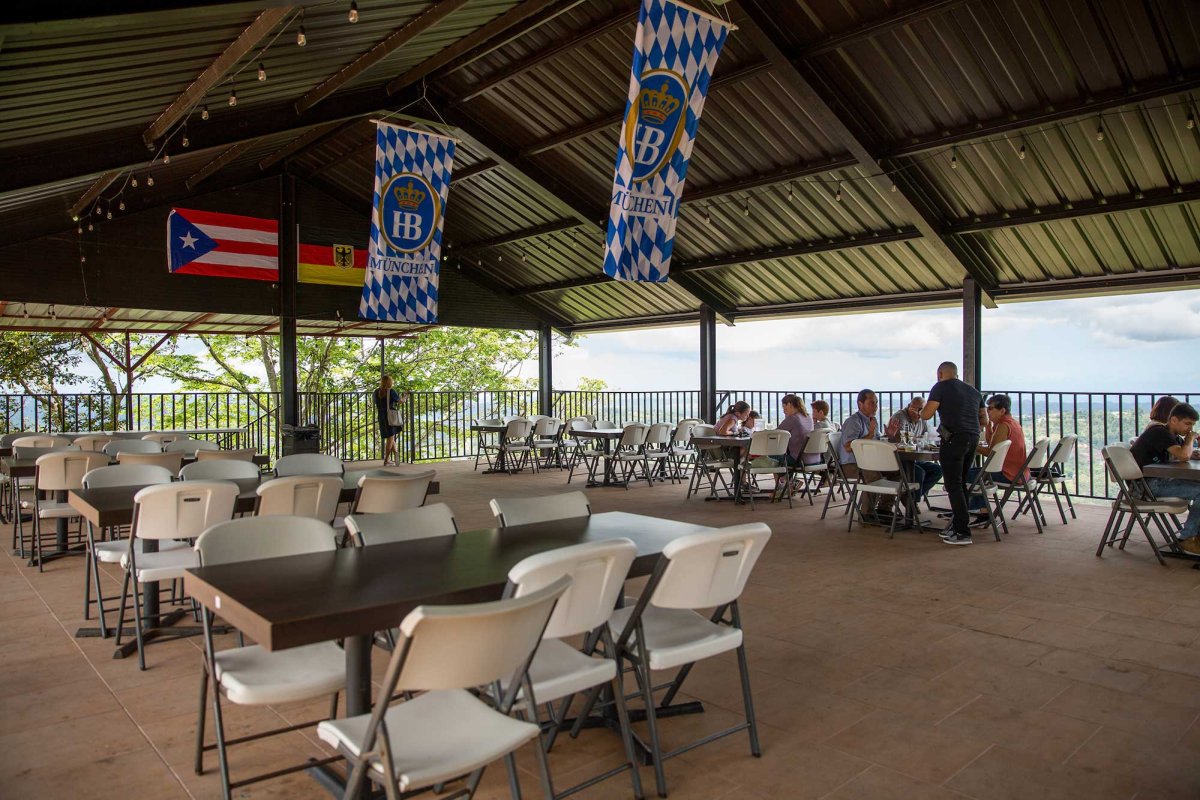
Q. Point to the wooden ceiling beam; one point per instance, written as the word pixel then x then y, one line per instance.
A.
pixel 394 41
pixel 215 72
pixel 311 137
pixel 89 197
pixel 216 165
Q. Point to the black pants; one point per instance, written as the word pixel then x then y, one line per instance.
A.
pixel 956 460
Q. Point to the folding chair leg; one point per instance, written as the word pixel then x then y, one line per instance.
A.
pixel 642 672
pixel 1058 502
pixel 121 611
pixel 138 596
pixel 627 736
pixel 1070 505
pixel 747 698
pixel 200 714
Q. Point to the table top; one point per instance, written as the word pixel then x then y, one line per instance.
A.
pixel 297 600
pixel 25 467
pixel 916 455
pixel 490 428
pixel 599 433
pixel 113 505
pixel 1187 470
pixel 722 441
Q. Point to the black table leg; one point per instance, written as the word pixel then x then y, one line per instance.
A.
pixel 358 701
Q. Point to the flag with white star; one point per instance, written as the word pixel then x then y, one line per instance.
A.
pixel 222 245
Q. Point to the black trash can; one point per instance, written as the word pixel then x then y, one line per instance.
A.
pixel 301 439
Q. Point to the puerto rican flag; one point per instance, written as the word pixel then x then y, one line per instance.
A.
pixel 222 245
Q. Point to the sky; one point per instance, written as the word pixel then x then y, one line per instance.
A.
pixel 1131 343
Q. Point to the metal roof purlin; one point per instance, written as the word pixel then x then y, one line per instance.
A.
pixel 215 72
pixel 519 236
pixel 759 26
pixel 1151 198
pixel 214 166
pixel 484 280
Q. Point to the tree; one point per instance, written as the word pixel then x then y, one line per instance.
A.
pixel 37 364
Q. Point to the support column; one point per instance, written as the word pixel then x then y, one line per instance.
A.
pixel 708 364
pixel 545 370
pixel 972 368
pixel 382 357
pixel 128 367
pixel 287 301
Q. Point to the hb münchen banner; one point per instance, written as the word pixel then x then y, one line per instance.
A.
pixel 412 180
pixel 673 60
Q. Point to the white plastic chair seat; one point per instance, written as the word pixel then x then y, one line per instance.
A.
pixel 675 636
pixel 164 565
pixel 778 469
pixel 435 736
pixel 254 676
pixel 55 510
pixel 822 467
pixel 717 464
pixel 115 552
pixel 559 670
pixel 883 486
pixel 1163 505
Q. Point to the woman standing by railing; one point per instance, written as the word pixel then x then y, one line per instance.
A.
pixel 391 419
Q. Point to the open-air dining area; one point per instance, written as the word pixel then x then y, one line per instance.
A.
pixel 298 501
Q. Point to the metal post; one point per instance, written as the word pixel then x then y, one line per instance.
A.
pixel 972 371
pixel 545 370
pixel 382 357
pixel 708 364
pixel 128 367
pixel 287 300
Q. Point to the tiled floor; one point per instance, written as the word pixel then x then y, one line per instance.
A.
pixel 881 669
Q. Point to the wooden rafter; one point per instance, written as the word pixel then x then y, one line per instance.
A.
pixel 310 137
pixel 94 191
pixel 216 71
pixel 214 166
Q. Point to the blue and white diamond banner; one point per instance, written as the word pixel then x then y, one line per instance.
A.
pixel 412 181
pixel 673 60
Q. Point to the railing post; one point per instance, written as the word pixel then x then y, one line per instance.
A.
pixel 708 364
pixel 408 430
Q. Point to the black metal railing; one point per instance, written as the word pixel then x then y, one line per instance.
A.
pixel 437 424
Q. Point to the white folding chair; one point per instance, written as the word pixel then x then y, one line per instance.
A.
pixel 512 511
pixel 308 464
pixel 985 486
pixel 41 440
pixel 168 461
pixel 251 675
pixel 770 444
pixel 246 454
pixel 402 526
pixel 561 670
pixel 838 482
pixel 628 454
pixel 219 470
pixel 515 450
pixel 569 446
pixel 164 439
pixel 381 495
pixel 817 444
pixel 189 447
pixel 710 465
pixel 664 630
pixel 657 451
pixel 1054 475
pixel 118 446
pixel 314 496
pixel 177 511
pixel 873 455
pixel 683 455
pixel 487 443
pixel 113 549
pixel 58 472
pixel 93 442
pixel 446 732
pixel 1136 500
pixel 545 439
pixel 1028 487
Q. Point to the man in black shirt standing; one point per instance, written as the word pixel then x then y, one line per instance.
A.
pixel 958 404
pixel 1162 443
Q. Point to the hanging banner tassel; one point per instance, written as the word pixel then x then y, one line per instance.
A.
pixel 673 60
pixel 412 181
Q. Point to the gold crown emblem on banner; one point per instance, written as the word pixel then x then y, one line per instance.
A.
pixel 408 196
pixel 657 106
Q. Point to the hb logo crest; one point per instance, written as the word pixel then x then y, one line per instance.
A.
pixel 343 256
pixel 656 122
pixel 409 210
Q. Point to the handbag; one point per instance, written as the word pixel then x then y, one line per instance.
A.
pixel 395 418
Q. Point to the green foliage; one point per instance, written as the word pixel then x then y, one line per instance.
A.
pixel 38 363
pixel 591 385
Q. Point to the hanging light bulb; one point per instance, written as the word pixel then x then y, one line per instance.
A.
pixel 186 142
pixel 79 229
pixel 83 259
pixel 262 71
pixel 24 311
pixel 1021 153
pixel 91 227
pixel 108 214
pixel 121 206
pixel 53 313
pixel 353 15
pixel 500 257
pixel 166 158
pixel 791 193
pixel 524 257
pixel 96 210
pixel 838 196
pixel 149 180
pixel 74 218
pixel 204 112
pixel 301 39
pixel 707 217
pixel 895 188
pixel 953 159
pixel 133 181
pixel 1100 129
pixel 233 97
pixel 746 209
pixel 1191 121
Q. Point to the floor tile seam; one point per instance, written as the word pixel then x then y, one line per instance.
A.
pixel 1188 728
pixel 1067 761
pixel 851 779
pixel 946 783
pixel 960 708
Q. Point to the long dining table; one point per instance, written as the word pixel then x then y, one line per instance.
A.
pixel 351 593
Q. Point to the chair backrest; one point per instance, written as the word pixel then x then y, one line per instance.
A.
pixel 254 538
pixel 633 435
pixel 182 510
pixel 874 455
pixel 711 568
pixel 518 429
pixel 132 446
pixel 41 440
pixel 189 446
pixel 597 571
pixel 308 464
pixel 164 438
pixel 7 439
pixel 703 429
pixel 605 425
pixel 577 424
pixel 686 421
pixel 511 511
pixel 817 442
pixel 220 470
pixel 995 462
pixel 535 418
pixel 769 443
pixel 23 452
pixel 171 461
pixel 492 421
pixel 314 496
pixel 93 441
pixel 228 455
pixel 1041 451
pixel 126 475
pixel 547 427
pixel 683 432
pixel 1065 449
pixel 659 433
pixel 459 646
pixel 402 526
pixel 1121 462
pixel 835 445
pixel 380 495
pixel 60 472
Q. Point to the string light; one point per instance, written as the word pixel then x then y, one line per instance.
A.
pixel 838 196
pixel 74 218
pixel 1191 121
pixel 262 71
pixel 204 113
pixel 233 96
pixel 1100 129
pixel 746 209
pixel 149 180
pixel 24 311
pixel 895 188
pixel 524 257
pixel 185 142
pixel 1021 153
pixel 791 194
pixel 121 206
pixel 91 227
pixel 707 216
pixel 301 39
pixel 953 159
pixel 133 181
pixel 53 313
pixel 353 15
pixel 108 213
pixel 79 229
pixel 166 158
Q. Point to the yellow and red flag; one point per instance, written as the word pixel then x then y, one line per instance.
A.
pixel 338 264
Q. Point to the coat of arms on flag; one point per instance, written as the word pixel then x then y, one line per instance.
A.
pixel 222 245
pixel 412 181
pixel 674 56
pixel 339 265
